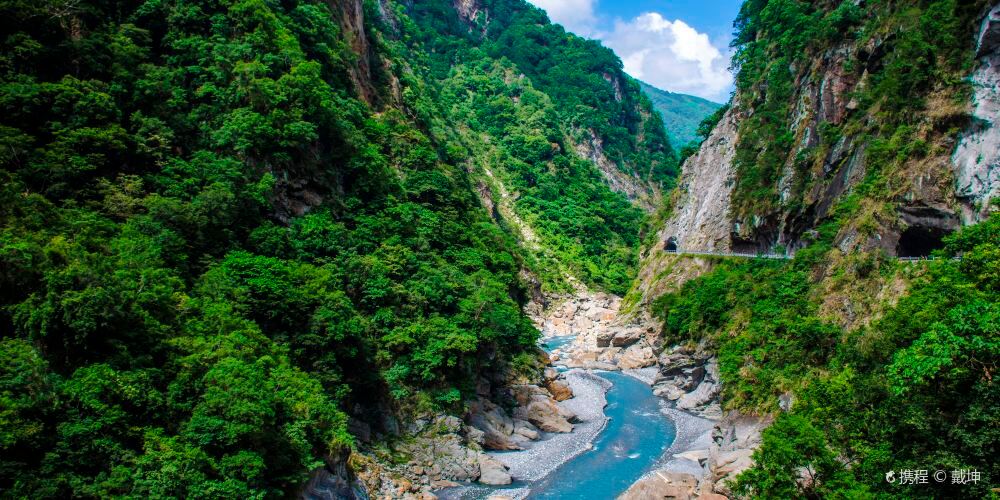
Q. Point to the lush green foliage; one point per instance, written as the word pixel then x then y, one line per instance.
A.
pixel 526 95
pixel 220 226
pixel 702 132
pixel 912 390
pixel 682 114
pixel 224 224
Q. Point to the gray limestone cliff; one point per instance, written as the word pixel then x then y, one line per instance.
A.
pixel 977 158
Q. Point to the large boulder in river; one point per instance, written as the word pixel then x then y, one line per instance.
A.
pixel 546 415
pixel 492 472
pixel 662 484
pixel 637 356
pixel 536 406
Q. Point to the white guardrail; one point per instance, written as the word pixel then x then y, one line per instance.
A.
pixel 745 255
pixel 777 256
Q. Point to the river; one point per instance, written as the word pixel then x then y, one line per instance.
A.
pixel 633 442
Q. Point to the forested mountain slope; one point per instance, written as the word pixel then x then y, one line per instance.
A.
pixel 681 113
pixel 848 142
pixel 231 231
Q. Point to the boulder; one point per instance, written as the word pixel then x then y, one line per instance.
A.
pixel 525 429
pixel 475 435
pixel 545 415
pixel 525 393
pixel 637 356
pixel 599 365
pixel 609 355
pixel 703 395
pixel 494 424
pixel 671 392
pixel 662 484
pixel 604 339
pixel 626 338
pixel 692 377
pixel 559 389
pixel 675 364
pixel 492 472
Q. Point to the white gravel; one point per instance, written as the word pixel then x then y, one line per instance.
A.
pixel 693 433
pixel 647 375
pixel 544 456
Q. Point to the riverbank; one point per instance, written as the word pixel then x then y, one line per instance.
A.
pixel 542 457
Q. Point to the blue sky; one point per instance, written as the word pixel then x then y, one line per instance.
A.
pixel 677 45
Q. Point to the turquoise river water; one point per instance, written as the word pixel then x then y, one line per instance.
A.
pixel 632 443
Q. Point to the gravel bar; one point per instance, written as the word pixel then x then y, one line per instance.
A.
pixel 542 457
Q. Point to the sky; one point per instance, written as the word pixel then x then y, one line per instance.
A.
pixel 676 45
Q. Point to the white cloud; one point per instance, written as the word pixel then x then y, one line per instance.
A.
pixel 671 55
pixel 576 16
pixel 667 54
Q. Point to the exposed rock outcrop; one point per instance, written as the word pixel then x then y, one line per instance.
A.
pixel 735 438
pixel 636 189
pixel 701 219
pixel 335 481
pixel 604 340
pixel 668 485
pixel 977 158
pixel 690 379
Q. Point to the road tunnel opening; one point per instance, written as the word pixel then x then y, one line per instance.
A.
pixel 671 244
pixel 920 241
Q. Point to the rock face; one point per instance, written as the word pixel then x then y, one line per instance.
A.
pixel 735 438
pixel 690 378
pixel 701 218
pixel 496 426
pixel 977 158
pixel 335 481
pixel 637 190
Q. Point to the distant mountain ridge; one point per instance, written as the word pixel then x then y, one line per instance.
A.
pixel 681 112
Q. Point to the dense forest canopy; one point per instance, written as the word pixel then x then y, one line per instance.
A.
pixel 224 225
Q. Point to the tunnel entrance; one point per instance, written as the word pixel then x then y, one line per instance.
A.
pixel 920 241
pixel 671 244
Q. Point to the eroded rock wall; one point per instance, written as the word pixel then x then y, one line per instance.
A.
pixel 701 219
pixel 977 158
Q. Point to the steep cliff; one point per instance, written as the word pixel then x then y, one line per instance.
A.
pixel 977 158
pixel 843 133
pixel 859 132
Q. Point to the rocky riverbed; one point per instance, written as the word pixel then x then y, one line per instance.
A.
pixel 710 447
pixel 524 436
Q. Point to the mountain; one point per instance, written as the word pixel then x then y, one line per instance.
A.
pixel 681 113
pixel 860 136
pixel 248 247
